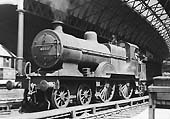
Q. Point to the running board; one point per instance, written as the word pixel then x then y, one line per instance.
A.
pixel 122 77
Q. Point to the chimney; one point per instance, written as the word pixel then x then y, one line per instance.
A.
pixel 58 26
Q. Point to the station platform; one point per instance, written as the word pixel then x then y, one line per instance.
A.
pixel 159 114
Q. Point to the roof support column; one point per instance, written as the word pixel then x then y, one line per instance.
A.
pixel 20 10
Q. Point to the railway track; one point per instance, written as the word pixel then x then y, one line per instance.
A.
pixel 114 110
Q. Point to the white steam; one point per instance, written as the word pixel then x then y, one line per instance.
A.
pixel 63 5
pixel 128 68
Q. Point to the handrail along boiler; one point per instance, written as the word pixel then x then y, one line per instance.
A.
pixel 80 69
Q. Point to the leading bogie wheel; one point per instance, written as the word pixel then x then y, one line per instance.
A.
pixel 61 97
pixel 126 90
pixel 107 92
pixel 84 94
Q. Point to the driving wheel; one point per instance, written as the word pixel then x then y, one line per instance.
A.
pixel 84 94
pixel 60 97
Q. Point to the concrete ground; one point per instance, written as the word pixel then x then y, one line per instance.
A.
pixel 159 114
pixel 6 95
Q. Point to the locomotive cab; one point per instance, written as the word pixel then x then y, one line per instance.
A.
pixel 132 57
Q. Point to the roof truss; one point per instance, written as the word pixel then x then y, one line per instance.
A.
pixel 155 14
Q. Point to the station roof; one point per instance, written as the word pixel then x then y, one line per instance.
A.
pixel 141 22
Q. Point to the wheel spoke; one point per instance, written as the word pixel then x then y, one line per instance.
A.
pixel 103 94
pixel 65 94
pixel 58 98
pixel 87 91
pixel 125 90
pixel 58 102
pixel 65 99
pixel 82 95
pixel 82 98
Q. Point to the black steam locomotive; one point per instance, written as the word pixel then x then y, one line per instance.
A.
pixel 80 70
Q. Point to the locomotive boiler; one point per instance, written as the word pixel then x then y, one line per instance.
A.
pixel 53 49
pixel 80 70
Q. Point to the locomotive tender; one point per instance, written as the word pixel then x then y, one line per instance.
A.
pixel 74 69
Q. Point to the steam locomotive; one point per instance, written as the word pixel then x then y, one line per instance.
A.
pixel 80 70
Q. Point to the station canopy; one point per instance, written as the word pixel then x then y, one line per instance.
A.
pixel 4 52
pixel 145 23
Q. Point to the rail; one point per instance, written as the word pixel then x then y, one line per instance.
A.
pixel 78 111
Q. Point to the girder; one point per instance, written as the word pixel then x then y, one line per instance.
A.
pixel 142 22
pixel 37 8
pixel 156 15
